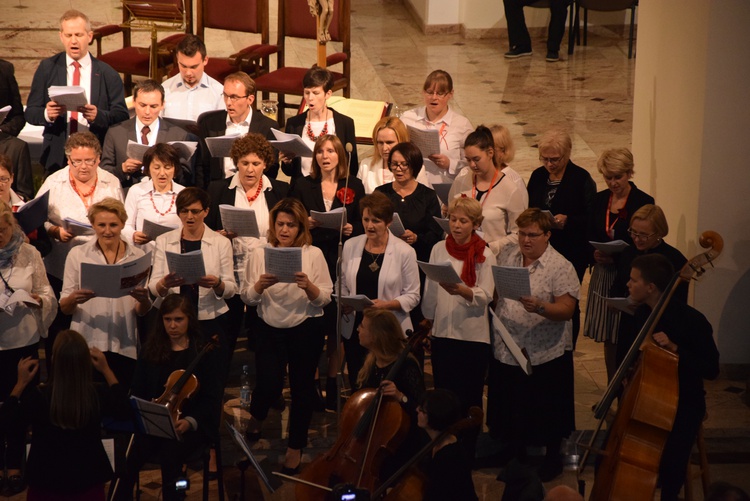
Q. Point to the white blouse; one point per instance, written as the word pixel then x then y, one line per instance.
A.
pixel 143 202
pixel 65 202
pixel 26 323
pixel 242 247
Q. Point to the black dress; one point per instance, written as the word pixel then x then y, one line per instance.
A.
pixel 449 475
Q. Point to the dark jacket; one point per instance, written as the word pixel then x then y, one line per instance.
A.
pixel 220 194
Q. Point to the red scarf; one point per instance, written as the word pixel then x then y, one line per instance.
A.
pixel 470 253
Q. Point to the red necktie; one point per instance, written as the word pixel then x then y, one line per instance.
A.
pixel 144 134
pixel 76 81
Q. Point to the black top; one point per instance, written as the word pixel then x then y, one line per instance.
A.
pixel 416 212
pixel 572 197
pixel 220 194
pixel 310 193
pixel 68 461
pixel 10 95
pixel 449 475
pixel 620 285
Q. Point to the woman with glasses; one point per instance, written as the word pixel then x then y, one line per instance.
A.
pixel 208 295
pixel 374 171
pixel 536 409
pixel 609 220
pixel 452 128
pixel 319 120
pixel 502 200
pixel 648 227
pixel 566 190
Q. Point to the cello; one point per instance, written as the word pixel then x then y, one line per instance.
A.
pixel 371 428
pixel 629 468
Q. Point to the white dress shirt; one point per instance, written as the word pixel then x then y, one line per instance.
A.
pixel 139 206
pixel 85 82
pixel 242 247
pixel 153 131
pixel 236 129
pixel 187 103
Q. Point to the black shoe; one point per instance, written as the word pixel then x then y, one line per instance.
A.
pixel 319 405
pixel 517 52
pixel 292 471
pixel 552 56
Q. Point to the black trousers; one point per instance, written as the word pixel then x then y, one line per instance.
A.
pixel 518 34
pixel 300 347
pixel 674 458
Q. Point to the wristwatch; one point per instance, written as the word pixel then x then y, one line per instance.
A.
pixel 540 309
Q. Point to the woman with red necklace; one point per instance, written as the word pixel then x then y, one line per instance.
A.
pixel 249 188
pixel 502 200
pixel 153 199
pixel 609 220
pixel 319 120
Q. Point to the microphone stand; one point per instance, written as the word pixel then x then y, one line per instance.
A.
pixel 339 261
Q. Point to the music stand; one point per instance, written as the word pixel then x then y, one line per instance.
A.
pixel 154 419
pixel 242 443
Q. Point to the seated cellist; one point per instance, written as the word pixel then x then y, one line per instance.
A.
pixel 686 332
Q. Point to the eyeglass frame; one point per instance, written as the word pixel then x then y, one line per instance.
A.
pixel 436 93
pixel 530 236
pixel 402 166
pixel 90 162
pixel 233 98
pixel 640 236
pixel 550 160
pixel 186 211
pixel 5 180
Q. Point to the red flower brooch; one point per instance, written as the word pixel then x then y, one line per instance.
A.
pixel 345 195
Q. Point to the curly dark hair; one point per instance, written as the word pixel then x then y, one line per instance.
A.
pixel 251 143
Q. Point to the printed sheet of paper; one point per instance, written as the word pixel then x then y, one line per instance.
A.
pixel 443 191
pixel 440 272
pixel 8 303
pixel 511 282
pixel 397 227
pixel 518 353
pixel 613 247
pixel 77 228
pixel 365 114
pixel 428 141
pixel 70 96
pixel 624 304
pixel 136 150
pixel 331 219
pixel 550 215
pixel 358 302
pixel 240 221
pixel 444 223
pixel 185 149
pixel 188 266
pixel 153 230
pixel 4 113
pixel 220 146
pixel 283 262
pixel 33 214
pixel 115 280
pixel 290 144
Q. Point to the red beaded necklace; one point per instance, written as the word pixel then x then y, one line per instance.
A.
pixel 312 137
pixel 257 191
pixel 169 209
pixel 83 196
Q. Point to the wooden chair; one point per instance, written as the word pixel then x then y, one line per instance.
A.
pixel 246 16
pixel 295 21
pixel 155 15
pixel 603 6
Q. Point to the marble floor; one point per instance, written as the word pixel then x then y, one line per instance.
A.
pixel 589 93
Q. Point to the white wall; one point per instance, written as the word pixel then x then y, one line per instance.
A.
pixel 690 122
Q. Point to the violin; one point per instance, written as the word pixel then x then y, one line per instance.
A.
pixel 629 467
pixel 182 383
pixel 372 428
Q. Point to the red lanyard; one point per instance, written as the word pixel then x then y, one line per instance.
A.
pixel 487 195
pixel 611 228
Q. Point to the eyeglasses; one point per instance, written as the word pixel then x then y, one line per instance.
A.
pixel 4 180
pixel 640 236
pixel 77 163
pixel 530 236
pixel 194 212
pixel 232 98
pixel 398 165
pixel 435 93
pixel 550 160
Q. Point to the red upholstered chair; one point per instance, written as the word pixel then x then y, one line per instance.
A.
pixel 246 16
pixel 295 21
pixel 147 15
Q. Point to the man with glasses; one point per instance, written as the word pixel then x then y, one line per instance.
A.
pixel 75 67
pixel 239 118
pixel 145 128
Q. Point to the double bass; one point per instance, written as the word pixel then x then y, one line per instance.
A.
pixel 629 466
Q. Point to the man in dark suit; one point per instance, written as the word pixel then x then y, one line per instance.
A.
pixel 145 128
pixel 238 118
pixel 10 145
pixel 75 66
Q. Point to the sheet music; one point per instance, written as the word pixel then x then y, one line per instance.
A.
pixel 185 149
pixel 77 228
pixel 33 214
pixel 70 96
pixel 8 303
pixel 331 219
pixel 428 141
pixel 444 224
pixel 358 302
pixel 4 112
pixel 440 272
pixel 188 266
pixel 220 146
pixel 613 247
pixel 443 191
pixel 290 144
pixel 624 304
pixel 283 262
pixel 511 282
pixel 153 230
pixel 240 221
pixel 515 350
pixel 115 280
pixel 136 150
pixel 397 227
